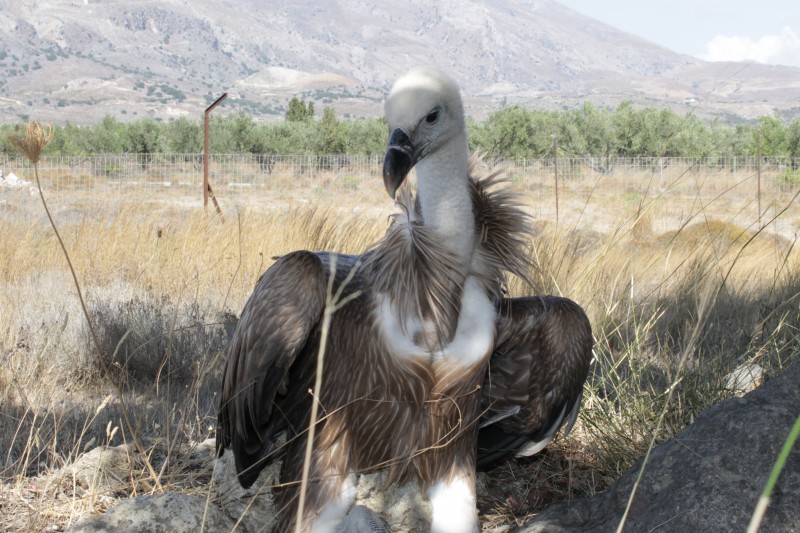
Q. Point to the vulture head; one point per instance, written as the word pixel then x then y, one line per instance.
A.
pixel 425 117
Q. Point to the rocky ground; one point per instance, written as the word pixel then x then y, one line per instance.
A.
pixel 708 478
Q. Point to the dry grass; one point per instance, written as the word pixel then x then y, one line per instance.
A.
pixel 673 313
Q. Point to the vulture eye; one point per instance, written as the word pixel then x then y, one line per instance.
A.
pixel 432 116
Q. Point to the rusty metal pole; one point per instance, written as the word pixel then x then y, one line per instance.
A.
pixel 206 186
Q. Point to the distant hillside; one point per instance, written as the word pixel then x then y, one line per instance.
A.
pixel 77 60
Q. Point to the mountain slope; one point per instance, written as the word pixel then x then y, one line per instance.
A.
pixel 76 60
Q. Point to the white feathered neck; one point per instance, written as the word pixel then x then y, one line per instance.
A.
pixel 443 193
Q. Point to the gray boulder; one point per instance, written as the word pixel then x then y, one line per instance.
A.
pixel 103 469
pixel 708 478
pixel 253 509
pixel 162 513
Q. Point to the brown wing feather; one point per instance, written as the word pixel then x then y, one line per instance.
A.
pixel 279 318
pixel 536 374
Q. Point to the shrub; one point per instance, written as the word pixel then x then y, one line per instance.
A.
pixel 147 341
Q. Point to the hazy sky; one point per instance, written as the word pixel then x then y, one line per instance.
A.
pixel 716 30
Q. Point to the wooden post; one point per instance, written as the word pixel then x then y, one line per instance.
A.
pixel 206 186
pixel 758 173
pixel 555 167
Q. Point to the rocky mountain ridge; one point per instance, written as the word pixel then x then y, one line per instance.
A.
pixel 78 60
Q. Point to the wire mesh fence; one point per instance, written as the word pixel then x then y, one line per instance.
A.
pixel 231 170
pixel 748 186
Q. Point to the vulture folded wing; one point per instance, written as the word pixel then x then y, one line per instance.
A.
pixel 536 375
pixel 278 322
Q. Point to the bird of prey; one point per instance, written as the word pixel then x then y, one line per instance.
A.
pixel 424 351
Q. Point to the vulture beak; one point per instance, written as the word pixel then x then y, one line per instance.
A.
pixel 400 158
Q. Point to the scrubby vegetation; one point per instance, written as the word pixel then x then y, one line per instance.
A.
pixel 512 133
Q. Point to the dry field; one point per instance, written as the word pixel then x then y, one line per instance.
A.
pixel 682 283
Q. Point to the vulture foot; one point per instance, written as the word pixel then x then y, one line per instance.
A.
pixel 361 519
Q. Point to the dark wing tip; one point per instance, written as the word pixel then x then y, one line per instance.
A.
pixel 540 365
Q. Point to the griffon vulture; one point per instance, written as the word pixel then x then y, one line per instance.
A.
pixel 427 352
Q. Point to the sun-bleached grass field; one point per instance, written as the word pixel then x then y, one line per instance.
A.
pixel 682 289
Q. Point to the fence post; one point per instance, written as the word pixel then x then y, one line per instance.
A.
pixel 555 171
pixel 758 173
pixel 206 186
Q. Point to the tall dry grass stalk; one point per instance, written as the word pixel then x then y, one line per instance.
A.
pixel 35 139
pixel 333 302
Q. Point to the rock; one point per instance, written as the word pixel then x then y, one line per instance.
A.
pixel 162 513
pixel 103 469
pixel 12 181
pixel 404 508
pixel 252 508
pixel 708 478
pixel 745 378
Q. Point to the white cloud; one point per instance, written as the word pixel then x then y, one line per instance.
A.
pixel 780 49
